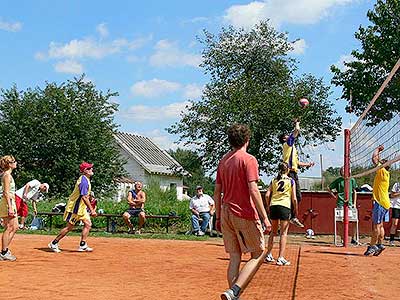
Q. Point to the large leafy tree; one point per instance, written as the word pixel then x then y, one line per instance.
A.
pixel 191 162
pixel 51 130
pixel 380 50
pixel 252 81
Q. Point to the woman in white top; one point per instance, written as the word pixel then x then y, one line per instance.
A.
pixel 8 209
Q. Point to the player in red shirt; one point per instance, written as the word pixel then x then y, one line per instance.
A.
pixel 236 211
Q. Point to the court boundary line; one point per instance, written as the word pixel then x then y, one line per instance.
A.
pixel 296 274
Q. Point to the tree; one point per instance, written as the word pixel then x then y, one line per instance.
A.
pixel 191 162
pixel 51 131
pixel 252 81
pixel 380 50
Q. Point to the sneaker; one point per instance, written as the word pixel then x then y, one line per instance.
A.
pixel 296 222
pixel 7 256
pixel 354 242
pixel 391 243
pixel 380 248
pixel 370 250
pixel 54 247
pixel 200 233
pixel 229 295
pixel 138 231
pixel 269 258
pixel 131 231
pixel 85 248
pixel 282 262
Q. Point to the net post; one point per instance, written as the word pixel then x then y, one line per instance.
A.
pixel 346 187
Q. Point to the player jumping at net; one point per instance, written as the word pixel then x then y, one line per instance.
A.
pixel 281 197
pixel 290 156
pixel 76 209
pixel 381 204
pixel 236 212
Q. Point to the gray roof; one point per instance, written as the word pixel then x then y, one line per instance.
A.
pixel 151 157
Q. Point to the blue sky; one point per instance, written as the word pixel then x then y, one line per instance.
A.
pixel 147 51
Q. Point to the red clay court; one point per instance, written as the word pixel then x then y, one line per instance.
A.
pixel 125 268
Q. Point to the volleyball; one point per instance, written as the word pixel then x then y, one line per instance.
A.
pixel 303 102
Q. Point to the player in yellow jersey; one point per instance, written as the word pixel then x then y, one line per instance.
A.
pixel 281 199
pixel 77 209
pixel 291 157
pixel 381 204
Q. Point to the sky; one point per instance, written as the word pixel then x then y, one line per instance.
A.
pixel 148 51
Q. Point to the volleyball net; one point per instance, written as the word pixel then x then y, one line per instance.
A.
pixel 369 132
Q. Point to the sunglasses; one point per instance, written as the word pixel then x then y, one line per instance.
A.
pixel 13 161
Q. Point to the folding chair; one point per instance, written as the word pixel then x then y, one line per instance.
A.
pixel 353 217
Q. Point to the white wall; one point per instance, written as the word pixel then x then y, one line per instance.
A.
pixel 138 173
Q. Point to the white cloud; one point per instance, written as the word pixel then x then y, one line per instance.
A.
pixel 168 54
pixel 344 58
pixel 82 48
pixel 299 47
pixel 149 113
pixel 281 11
pixel 154 87
pixel 163 140
pixel 102 30
pixel 69 66
pixel 193 91
pixel 13 27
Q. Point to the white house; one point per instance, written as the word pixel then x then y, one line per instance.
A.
pixel 145 160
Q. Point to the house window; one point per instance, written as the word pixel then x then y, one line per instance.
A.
pixel 172 186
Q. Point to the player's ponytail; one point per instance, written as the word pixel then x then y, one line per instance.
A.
pixel 282 170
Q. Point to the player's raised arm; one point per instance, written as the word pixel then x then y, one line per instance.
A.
pixel 376 154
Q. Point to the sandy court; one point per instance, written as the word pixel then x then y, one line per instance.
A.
pixel 164 269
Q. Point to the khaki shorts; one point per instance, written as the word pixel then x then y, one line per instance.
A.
pixel 241 235
pixel 4 207
pixel 72 218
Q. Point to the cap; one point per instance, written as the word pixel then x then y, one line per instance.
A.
pixel 46 185
pixel 199 187
pixel 85 165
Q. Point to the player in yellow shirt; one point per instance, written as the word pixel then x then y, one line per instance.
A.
pixel 381 204
pixel 291 157
pixel 76 209
pixel 281 199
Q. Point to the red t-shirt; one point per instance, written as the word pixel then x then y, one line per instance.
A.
pixel 235 170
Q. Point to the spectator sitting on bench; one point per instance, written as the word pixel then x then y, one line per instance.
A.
pixel 202 207
pixel 136 200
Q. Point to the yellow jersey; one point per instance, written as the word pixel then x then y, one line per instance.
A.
pixel 282 191
pixel 290 155
pixel 75 203
pixel 380 191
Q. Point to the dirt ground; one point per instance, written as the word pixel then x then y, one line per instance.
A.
pixel 122 268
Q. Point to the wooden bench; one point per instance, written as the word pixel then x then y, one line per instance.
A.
pixel 109 217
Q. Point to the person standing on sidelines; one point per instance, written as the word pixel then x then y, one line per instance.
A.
pixel 236 211
pixel 29 192
pixel 291 157
pixel 381 204
pixel 76 209
pixel 338 186
pixel 281 199
pixel 395 204
pixel 8 208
